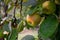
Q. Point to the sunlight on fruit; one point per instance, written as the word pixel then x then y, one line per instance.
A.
pixel 33 19
pixel 45 4
pixel 48 6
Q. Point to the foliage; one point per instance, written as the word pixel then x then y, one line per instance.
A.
pixel 13 20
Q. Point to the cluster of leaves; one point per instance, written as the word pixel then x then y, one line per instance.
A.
pixel 14 25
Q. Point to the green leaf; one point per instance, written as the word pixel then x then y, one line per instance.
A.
pixel 6 27
pixel 20 26
pixel 48 26
pixel 7 1
pixel 10 8
pixel 1 33
pixel 57 36
pixel 31 10
pixel 14 35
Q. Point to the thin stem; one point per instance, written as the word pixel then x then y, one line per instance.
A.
pixel 21 6
pixel 14 12
pixel 5 9
pixel 21 9
pixel 15 8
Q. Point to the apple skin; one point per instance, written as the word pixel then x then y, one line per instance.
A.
pixel 49 7
pixel 34 19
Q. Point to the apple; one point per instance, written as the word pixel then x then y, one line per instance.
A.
pixel 49 7
pixel 33 19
